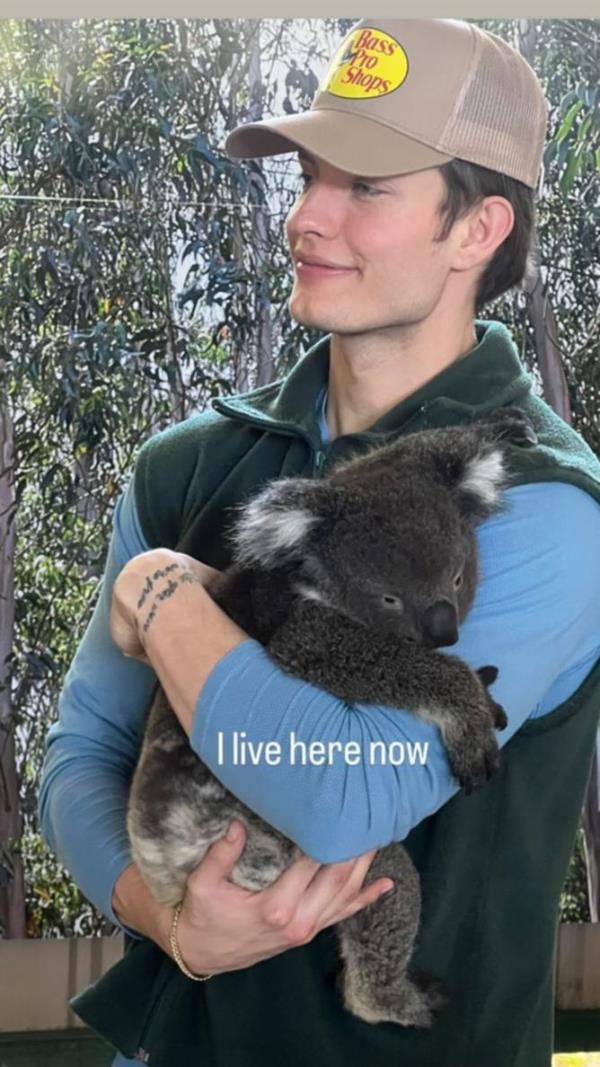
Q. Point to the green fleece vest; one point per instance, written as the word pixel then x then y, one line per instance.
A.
pixel 492 865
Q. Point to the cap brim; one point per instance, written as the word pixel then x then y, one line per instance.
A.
pixel 350 142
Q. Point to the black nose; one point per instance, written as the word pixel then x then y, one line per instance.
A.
pixel 440 624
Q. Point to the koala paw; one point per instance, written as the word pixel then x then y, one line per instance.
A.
pixel 512 424
pixel 409 1002
pixel 476 768
pixel 431 988
pixel 471 744
pixel 488 675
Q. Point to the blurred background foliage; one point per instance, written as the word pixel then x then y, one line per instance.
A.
pixel 143 273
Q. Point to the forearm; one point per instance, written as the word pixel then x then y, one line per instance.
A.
pixel 136 908
pixel 82 810
pixel 322 789
pixel 184 635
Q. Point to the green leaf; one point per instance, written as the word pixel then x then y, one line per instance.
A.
pixel 566 102
pixel 550 153
pixel 573 167
pixel 584 127
pixel 568 121
pixel 563 153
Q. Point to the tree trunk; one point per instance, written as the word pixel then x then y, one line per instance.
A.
pixel 86 504
pixel 261 332
pixel 542 318
pixel 539 308
pixel 12 888
pixel 265 363
pixel 556 393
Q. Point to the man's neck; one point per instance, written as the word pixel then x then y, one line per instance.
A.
pixel 371 373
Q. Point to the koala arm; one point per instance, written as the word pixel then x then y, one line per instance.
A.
pixel 535 617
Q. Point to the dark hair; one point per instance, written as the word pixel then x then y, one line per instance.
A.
pixel 466 185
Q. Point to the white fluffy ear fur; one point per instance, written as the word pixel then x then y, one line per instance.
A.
pixel 485 477
pixel 268 532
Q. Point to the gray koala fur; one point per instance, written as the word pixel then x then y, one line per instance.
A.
pixel 350 582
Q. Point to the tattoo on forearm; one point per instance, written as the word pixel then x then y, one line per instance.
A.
pixel 185 578
pixel 150 579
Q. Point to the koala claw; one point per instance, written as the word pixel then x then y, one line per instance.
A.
pixel 469 783
pixel 487 676
pixel 499 716
pixel 513 424
pixel 431 988
pixel 478 768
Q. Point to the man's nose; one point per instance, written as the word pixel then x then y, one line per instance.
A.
pixel 319 210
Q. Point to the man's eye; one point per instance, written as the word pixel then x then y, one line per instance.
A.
pixel 360 187
pixel 369 188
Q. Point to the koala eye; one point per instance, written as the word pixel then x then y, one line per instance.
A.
pixel 458 581
pixel 392 601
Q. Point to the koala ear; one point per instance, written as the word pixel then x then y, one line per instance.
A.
pixel 481 481
pixel 273 526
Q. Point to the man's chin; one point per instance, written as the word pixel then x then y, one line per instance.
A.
pixel 328 323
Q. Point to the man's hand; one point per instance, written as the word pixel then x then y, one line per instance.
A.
pixel 225 928
pixel 162 615
pixel 135 592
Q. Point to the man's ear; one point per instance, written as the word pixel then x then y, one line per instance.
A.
pixel 482 231
pixel 273 526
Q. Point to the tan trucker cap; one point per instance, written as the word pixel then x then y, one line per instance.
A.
pixel 401 95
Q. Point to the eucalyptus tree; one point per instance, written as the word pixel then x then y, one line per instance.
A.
pixel 144 272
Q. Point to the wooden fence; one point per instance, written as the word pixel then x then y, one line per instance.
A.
pixel 37 978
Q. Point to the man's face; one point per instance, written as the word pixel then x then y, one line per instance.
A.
pixel 381 230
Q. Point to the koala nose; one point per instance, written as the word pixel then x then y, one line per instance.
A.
pixel 440 624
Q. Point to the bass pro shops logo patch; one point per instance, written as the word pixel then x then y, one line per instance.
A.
pixel 369 64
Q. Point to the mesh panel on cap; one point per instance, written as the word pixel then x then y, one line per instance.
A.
pixel 500 116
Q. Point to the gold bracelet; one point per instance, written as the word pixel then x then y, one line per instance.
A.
pixel 177 953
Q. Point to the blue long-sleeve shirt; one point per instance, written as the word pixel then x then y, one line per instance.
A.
pixel 535 617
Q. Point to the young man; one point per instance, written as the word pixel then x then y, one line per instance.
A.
pixel 408 114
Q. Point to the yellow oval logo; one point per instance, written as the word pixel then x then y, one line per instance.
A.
pixel 370 63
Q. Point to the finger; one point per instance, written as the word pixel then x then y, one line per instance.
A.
pixel 220 859
pixel 361 869
pixel 278 903
pixel 333 887
pixel 353 885
pixel 368 896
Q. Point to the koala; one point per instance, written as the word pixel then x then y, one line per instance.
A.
pixel 352 583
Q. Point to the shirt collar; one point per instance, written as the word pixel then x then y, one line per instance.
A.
pixel 489 376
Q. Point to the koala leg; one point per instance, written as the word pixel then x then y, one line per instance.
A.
pixel 376 945
pixel 178 809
